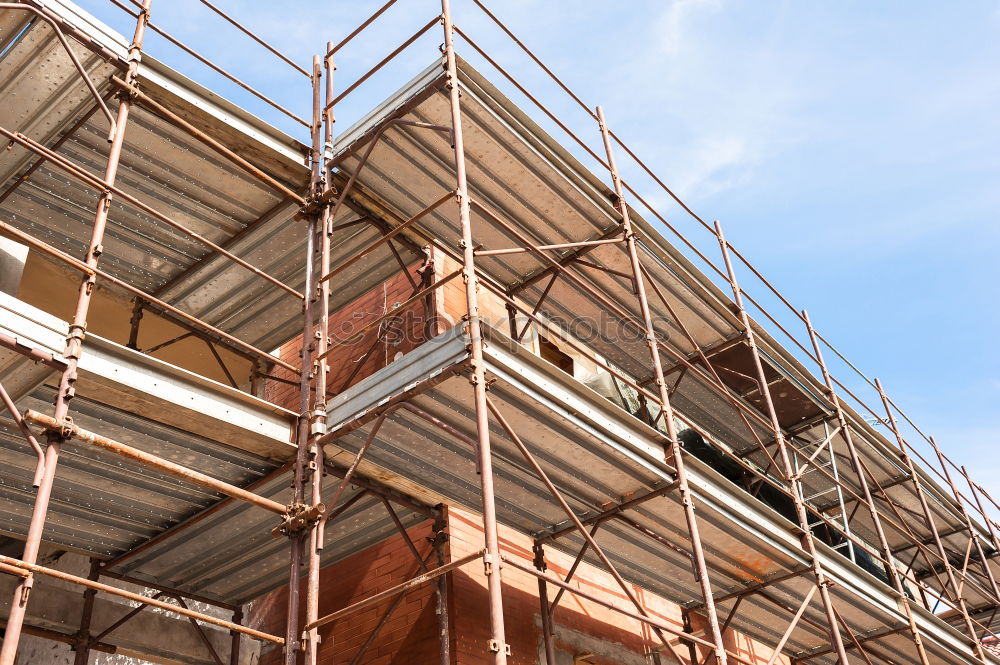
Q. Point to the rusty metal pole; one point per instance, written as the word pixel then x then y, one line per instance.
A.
pixel 74 345
pixel 491 560
pixel 83 639
pixel 692 648
pixel 806 537
pixel 968 520
pixel 300 473
pixel 441 588
pixel 543 603
pixel 687 500
pixel 234 642
pixel 134 322
pixel 845 429
pixel 309 469
pixel 317 409
pixel 929 519
pixel 982 510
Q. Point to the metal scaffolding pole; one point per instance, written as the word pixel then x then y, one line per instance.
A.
pixel 491 559
pixel 977 648
pixel 845 432
pixel 441 609
pixel 74 344
pixel 973 536
pixel 234 640
pixel 687 500
pixel 805 537
pixel 306 543
pixel 83 638
pixel 982 510
pixel 543 601
pixel 314 400
pixel 305 528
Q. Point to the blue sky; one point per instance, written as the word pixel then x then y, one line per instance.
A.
pixel 851 149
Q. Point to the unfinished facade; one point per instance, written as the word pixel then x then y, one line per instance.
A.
pixel 424 389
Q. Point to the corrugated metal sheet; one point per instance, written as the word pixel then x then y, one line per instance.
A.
pixel 178 176
pixel 106 506
pixel 232 555
pixel 556 200
pixel 599 455
pixel 103 505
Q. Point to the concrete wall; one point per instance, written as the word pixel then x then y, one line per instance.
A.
pixel 12 258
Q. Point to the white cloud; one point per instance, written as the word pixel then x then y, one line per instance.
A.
pixel 714 164
pixel 725 95
pixel 675 22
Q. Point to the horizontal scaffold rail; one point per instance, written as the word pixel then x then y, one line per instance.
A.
pixel 67 430
pixel 17 567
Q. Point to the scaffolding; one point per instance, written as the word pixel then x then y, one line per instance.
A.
pixel 857 491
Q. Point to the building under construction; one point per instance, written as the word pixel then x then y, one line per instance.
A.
pixel 434 384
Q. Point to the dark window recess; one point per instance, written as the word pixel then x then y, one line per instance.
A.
pixel 549 351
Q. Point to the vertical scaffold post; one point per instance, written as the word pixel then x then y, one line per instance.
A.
pixel 82 645
pixel 314 397
pixel 687 500
pixel 806 537
pixel 317 410
pixel 995 542
pixel 491 560
pixel 845 432
pixel 980 554
pixel 543 605
pixel 302 473
pixel 977 648
pixel 74 348
pixel 440 544
pixel 234 638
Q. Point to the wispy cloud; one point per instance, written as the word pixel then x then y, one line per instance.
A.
pixel 677 21
pixel 725 98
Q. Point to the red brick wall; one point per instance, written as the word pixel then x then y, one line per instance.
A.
pixel 409 636
pixel 403 335
pixel 579 622
pixel 622 635
pixel 452 302
pixel 449 307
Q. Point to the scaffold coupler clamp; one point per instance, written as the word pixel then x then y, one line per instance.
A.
pixel 308 637
pixel 439 538
pixel 298 518
pixel 313 205
pixel 427 265
pixel 128 92
pixel 65 428
pixel 491 563
pixel 74 340
pixel 317 422
pixel 27 583
pixel 539 561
